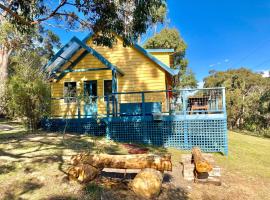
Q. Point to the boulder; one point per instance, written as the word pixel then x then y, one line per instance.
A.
pixel 147 183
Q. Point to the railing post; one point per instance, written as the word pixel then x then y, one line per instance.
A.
pixel 116 104
pixel 79 108
pixel 108 108
pixel 185 121
pixel 184 109
pixel 223 100
pixel 113 106
pixel 143 104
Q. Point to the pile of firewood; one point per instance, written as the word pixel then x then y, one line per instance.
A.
pixel 147 183
pixel 86 166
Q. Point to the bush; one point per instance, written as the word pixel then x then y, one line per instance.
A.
pixel 28 92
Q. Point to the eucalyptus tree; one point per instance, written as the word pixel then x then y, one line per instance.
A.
pixel 247 98
pixel 127 18
pixel 13 42
pixel 171 39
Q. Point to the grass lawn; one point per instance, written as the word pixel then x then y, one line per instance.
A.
pixel 33 166
pixel 248 154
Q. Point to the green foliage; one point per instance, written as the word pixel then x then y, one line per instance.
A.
pixel 129 19
pixel 167 39
pixel 28 92
pixel 247 98
pixel 158 14
pixel 171 39
pixel 40 40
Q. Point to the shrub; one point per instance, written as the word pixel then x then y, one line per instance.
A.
pixel 28 92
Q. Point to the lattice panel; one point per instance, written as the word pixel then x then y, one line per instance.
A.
pixel 81 126
pixel 208 134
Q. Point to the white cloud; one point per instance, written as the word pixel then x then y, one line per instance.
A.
pixel 200 84
pixel 220 63
pixel 265 73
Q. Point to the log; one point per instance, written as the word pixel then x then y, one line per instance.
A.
pixel 138 161
pixel 147 183
pixel 83 173
pixel 201 164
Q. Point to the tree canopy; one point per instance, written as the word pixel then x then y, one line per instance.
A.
pixel 14 42
pixel 127 18
pixel 247 98
pixel 171 39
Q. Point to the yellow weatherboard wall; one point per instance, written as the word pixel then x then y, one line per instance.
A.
pixel 140 74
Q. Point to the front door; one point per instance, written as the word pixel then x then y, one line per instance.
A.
pixel 90 94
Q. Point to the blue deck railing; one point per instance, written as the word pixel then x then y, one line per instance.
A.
pixel 172 102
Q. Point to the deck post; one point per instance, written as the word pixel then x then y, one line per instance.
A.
pixel 184 109
pixel 108 108
pixel 225 121
pixel 114 90
pixel 143 104
pixel 223 101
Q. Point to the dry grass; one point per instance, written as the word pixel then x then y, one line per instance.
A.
pixel 33 166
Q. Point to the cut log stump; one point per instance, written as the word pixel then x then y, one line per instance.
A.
pixel 83 173
pixel 212 177
pixel 147 183
pixel 201 164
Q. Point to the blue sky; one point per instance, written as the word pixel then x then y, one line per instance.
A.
pixel 220 34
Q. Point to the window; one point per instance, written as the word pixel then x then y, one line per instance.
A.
pixel 107 89
pixel 90 88
pixel 90 91
pixel 69 92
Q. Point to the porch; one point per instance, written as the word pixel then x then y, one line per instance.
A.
pixel 171 118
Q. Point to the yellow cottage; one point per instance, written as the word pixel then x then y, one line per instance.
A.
pixel 85 78
pixel 124 93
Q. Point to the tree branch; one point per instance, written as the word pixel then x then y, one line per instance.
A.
pixel 53 13
pixel 13 14
pixel 19 18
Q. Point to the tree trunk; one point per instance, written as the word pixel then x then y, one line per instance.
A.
pixel 201 165
pixel 4 58
pixel 138 161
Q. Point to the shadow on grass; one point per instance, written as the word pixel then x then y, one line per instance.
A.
pixel 61 197
pixel 31 185
pixel 93 191
pixel 25 187
pixel 4 169
pixel 6 135
pixel 173 193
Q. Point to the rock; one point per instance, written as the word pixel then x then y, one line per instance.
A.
pixel 147 183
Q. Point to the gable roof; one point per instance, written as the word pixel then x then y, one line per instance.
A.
pixel 74 45
pixel 68 51
pixel 171 71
